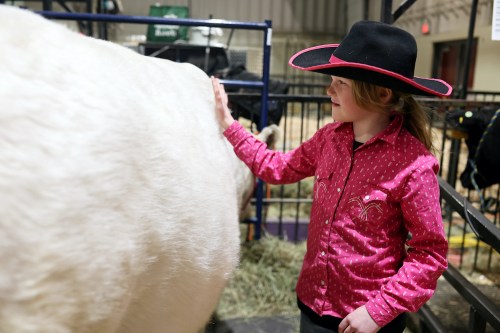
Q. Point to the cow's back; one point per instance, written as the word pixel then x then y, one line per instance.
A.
pixel 118 209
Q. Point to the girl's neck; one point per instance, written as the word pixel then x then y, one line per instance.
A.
pixel 367 128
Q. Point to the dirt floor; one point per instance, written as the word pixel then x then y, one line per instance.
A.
pixel 453 311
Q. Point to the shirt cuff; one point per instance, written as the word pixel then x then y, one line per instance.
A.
pixel 380 311
pixel 235 133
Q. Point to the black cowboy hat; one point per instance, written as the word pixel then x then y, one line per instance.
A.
pixel 373 52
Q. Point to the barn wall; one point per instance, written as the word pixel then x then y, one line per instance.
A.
pixel 449 20
pixel 298 16
pixel 298 24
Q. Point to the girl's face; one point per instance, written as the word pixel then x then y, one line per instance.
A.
pixel 344 107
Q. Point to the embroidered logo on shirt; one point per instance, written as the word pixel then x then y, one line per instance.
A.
pixel 321 189
pixel 363 214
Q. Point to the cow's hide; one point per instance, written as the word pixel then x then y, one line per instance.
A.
pixel 487 158
pixel 119 194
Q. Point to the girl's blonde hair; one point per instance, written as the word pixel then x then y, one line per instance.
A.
pixel 415 118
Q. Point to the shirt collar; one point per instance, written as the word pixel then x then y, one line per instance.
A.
pixel 390 134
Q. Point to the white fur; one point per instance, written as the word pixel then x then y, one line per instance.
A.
pixel 119 205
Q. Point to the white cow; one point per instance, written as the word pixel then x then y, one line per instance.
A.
pixel 118 193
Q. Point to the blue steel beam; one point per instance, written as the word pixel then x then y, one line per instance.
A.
pixel 263 120
pixel 216 23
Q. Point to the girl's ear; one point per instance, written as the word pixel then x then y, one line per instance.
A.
pixel 385 95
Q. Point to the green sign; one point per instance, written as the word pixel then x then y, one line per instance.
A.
pixel 167 33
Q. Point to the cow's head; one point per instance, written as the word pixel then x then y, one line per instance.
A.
pixel 471 121
pixel 474 123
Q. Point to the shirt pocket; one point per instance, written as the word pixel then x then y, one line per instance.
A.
pixel 368 205
pixel 322 185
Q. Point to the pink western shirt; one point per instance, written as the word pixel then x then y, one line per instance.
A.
pixel 365 204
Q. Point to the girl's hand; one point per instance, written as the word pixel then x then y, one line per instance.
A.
pixel 358 321
pixel 221 109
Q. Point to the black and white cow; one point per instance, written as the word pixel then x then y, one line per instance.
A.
pixel 482 133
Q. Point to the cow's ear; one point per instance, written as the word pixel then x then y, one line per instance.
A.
pixel 270 135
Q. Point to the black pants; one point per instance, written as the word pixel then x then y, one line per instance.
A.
pixel 312 325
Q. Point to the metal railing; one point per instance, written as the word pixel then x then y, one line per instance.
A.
pixel 483 311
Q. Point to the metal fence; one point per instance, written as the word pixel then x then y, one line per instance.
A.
pixel 484 315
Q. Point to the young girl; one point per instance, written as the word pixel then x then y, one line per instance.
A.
pixel 376 245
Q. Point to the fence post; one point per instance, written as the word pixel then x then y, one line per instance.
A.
pixel 477 324
pixel 263 121
pixel 453 163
